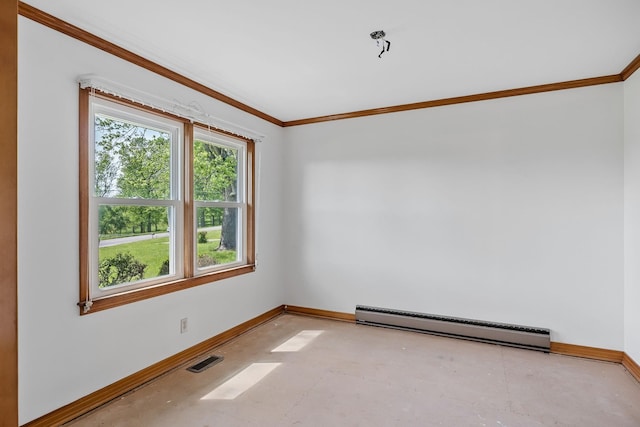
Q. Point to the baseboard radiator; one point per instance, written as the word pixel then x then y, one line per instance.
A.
pixel 475 330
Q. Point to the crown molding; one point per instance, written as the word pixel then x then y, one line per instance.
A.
pixel 59 25
pixel 631 68
pixel 70 30
pixel 572 84
pixel 77 33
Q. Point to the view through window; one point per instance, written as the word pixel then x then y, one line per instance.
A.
pixel 169 203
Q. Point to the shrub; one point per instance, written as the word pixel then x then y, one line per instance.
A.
pixel 202 237
pixel 121 268
pixel 206 260
pixel 164 268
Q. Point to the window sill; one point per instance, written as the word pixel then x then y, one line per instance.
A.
pixel 127 297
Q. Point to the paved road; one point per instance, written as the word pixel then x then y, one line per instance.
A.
pixel 131 239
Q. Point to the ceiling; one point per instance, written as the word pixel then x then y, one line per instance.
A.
pixel 293 59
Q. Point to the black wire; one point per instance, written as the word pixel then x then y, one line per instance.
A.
pixel 383 49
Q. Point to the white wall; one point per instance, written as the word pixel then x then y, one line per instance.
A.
pixel 63 356
pixel 632 216
pixel 508 210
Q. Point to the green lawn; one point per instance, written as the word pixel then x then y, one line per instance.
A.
pixel 154 251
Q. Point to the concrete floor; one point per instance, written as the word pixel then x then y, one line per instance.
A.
pixel 350 375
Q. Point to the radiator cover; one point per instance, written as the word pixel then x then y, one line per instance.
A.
pixel 531 338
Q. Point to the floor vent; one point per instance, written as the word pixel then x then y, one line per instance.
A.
pixel 474 330
pixel 206 363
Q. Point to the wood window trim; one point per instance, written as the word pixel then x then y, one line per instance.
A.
pixel 190 280
pixel 9 215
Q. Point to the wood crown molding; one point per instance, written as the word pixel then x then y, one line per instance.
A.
pixel 614 78
pixel 631 68
pixel 572 84
pixel 110 392
pixel 77 33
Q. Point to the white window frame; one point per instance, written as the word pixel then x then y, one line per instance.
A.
pixel 122 113
pixel 240 203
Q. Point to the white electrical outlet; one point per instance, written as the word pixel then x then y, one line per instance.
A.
pixel 183 325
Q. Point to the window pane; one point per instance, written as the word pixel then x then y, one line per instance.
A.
pixel 131 161
pixel 134 244
pixel 217 236
pixel 215 172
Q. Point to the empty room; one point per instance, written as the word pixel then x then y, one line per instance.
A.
pixel 333 213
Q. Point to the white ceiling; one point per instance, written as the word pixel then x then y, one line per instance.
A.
pixel 294 59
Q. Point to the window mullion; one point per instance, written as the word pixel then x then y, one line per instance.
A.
pixel 136 202
pixel 201 204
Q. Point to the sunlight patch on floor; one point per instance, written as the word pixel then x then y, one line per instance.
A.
pixel 297 342
pixel 241 382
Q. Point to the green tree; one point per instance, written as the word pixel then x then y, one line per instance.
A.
pixel 146 167
pixel 146 174
pixel 132 162
pixel 111 219
pixel 135 162
pixel 110 135
pixel 214 172
pixel 215 179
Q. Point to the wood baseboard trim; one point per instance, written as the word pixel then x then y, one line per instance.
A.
pixel 325 314
pixel 110 392
pixel 100 397
pixel 631 366
pixel 587 352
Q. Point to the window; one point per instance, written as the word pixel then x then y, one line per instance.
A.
pixel 219 200
pixel 164 204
